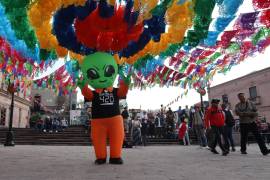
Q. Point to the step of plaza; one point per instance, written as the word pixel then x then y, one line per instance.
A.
pixel 70 136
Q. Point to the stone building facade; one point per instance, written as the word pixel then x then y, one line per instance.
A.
pixel 21 112
pixel 54 105
pixel 256 87
pixel 51 101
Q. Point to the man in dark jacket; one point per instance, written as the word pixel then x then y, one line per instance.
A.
pixel 125 116
pixel 229 123
pixel 159 125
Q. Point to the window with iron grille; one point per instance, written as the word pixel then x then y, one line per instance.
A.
pixel 3 117
pixel 225 98
pixel 252 92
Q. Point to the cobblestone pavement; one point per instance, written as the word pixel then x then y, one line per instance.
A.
pixel 141 163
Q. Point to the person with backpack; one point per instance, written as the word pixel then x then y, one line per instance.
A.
pixel 229 123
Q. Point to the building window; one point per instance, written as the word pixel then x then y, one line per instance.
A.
pixel 20 117
pixel 3 116
pixel 252 92
pixel 225 98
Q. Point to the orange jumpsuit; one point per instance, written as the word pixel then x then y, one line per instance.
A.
pixel 110 125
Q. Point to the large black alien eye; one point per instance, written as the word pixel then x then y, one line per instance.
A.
pixel 109 71
pixel 92 74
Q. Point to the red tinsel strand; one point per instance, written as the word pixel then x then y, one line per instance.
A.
pixel 265 18
pixel 107 34
pixel 261 4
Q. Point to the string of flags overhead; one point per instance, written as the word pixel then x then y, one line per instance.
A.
pixel 166 42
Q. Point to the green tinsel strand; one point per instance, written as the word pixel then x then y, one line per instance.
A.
pixel 233 48
pixel 200 61
pixel 165 75
pixel 204 7
pixel 161 8
pixel 45 54
pixel 142 61
pixel 193 38
pixel 203 11
pixel 215 56
pixel 171 50
pixel 183 67
pixel 262 34
pixel 16 12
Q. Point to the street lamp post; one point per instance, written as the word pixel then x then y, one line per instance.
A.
pixel 10 134
pixel 202 92
pixel 202 104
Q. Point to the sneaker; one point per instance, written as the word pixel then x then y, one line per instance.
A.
pixel 233 149
pixel 116 161
pixel 243 152
pixel 266 153
pixel 214 151
pixel 225 153
pixel 100 161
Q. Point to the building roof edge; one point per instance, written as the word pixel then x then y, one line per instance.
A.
pixel 242 77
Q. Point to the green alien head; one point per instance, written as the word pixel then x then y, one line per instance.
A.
pixel 99 70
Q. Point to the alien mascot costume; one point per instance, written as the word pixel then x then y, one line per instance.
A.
pixel 99 71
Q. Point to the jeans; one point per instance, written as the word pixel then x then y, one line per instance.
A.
pixel 200 135
pixel 217 132
pixel 244 130
pixel 228 134
pixel 40 127
pixel 159 132
pixel 186 139
pixel 144 139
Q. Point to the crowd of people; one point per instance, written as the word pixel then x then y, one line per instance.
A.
pixel 212 125
pixel 49 124
pixel 142 125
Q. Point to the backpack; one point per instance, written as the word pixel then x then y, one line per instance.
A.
pixel 229 120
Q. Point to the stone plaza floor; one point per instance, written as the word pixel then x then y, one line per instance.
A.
pixel 141 163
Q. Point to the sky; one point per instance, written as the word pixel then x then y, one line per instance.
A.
pixel 152 98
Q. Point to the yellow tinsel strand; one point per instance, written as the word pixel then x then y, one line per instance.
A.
pixel 40 14
pixel 76 56
pixel 136 5
pixel 111 2
pixel 145 7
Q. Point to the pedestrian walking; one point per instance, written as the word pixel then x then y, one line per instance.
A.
pixel 125 116
pixel 247 113
pixel 136 132
pixel 229 123
pixel 197 123
pixel 214 119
